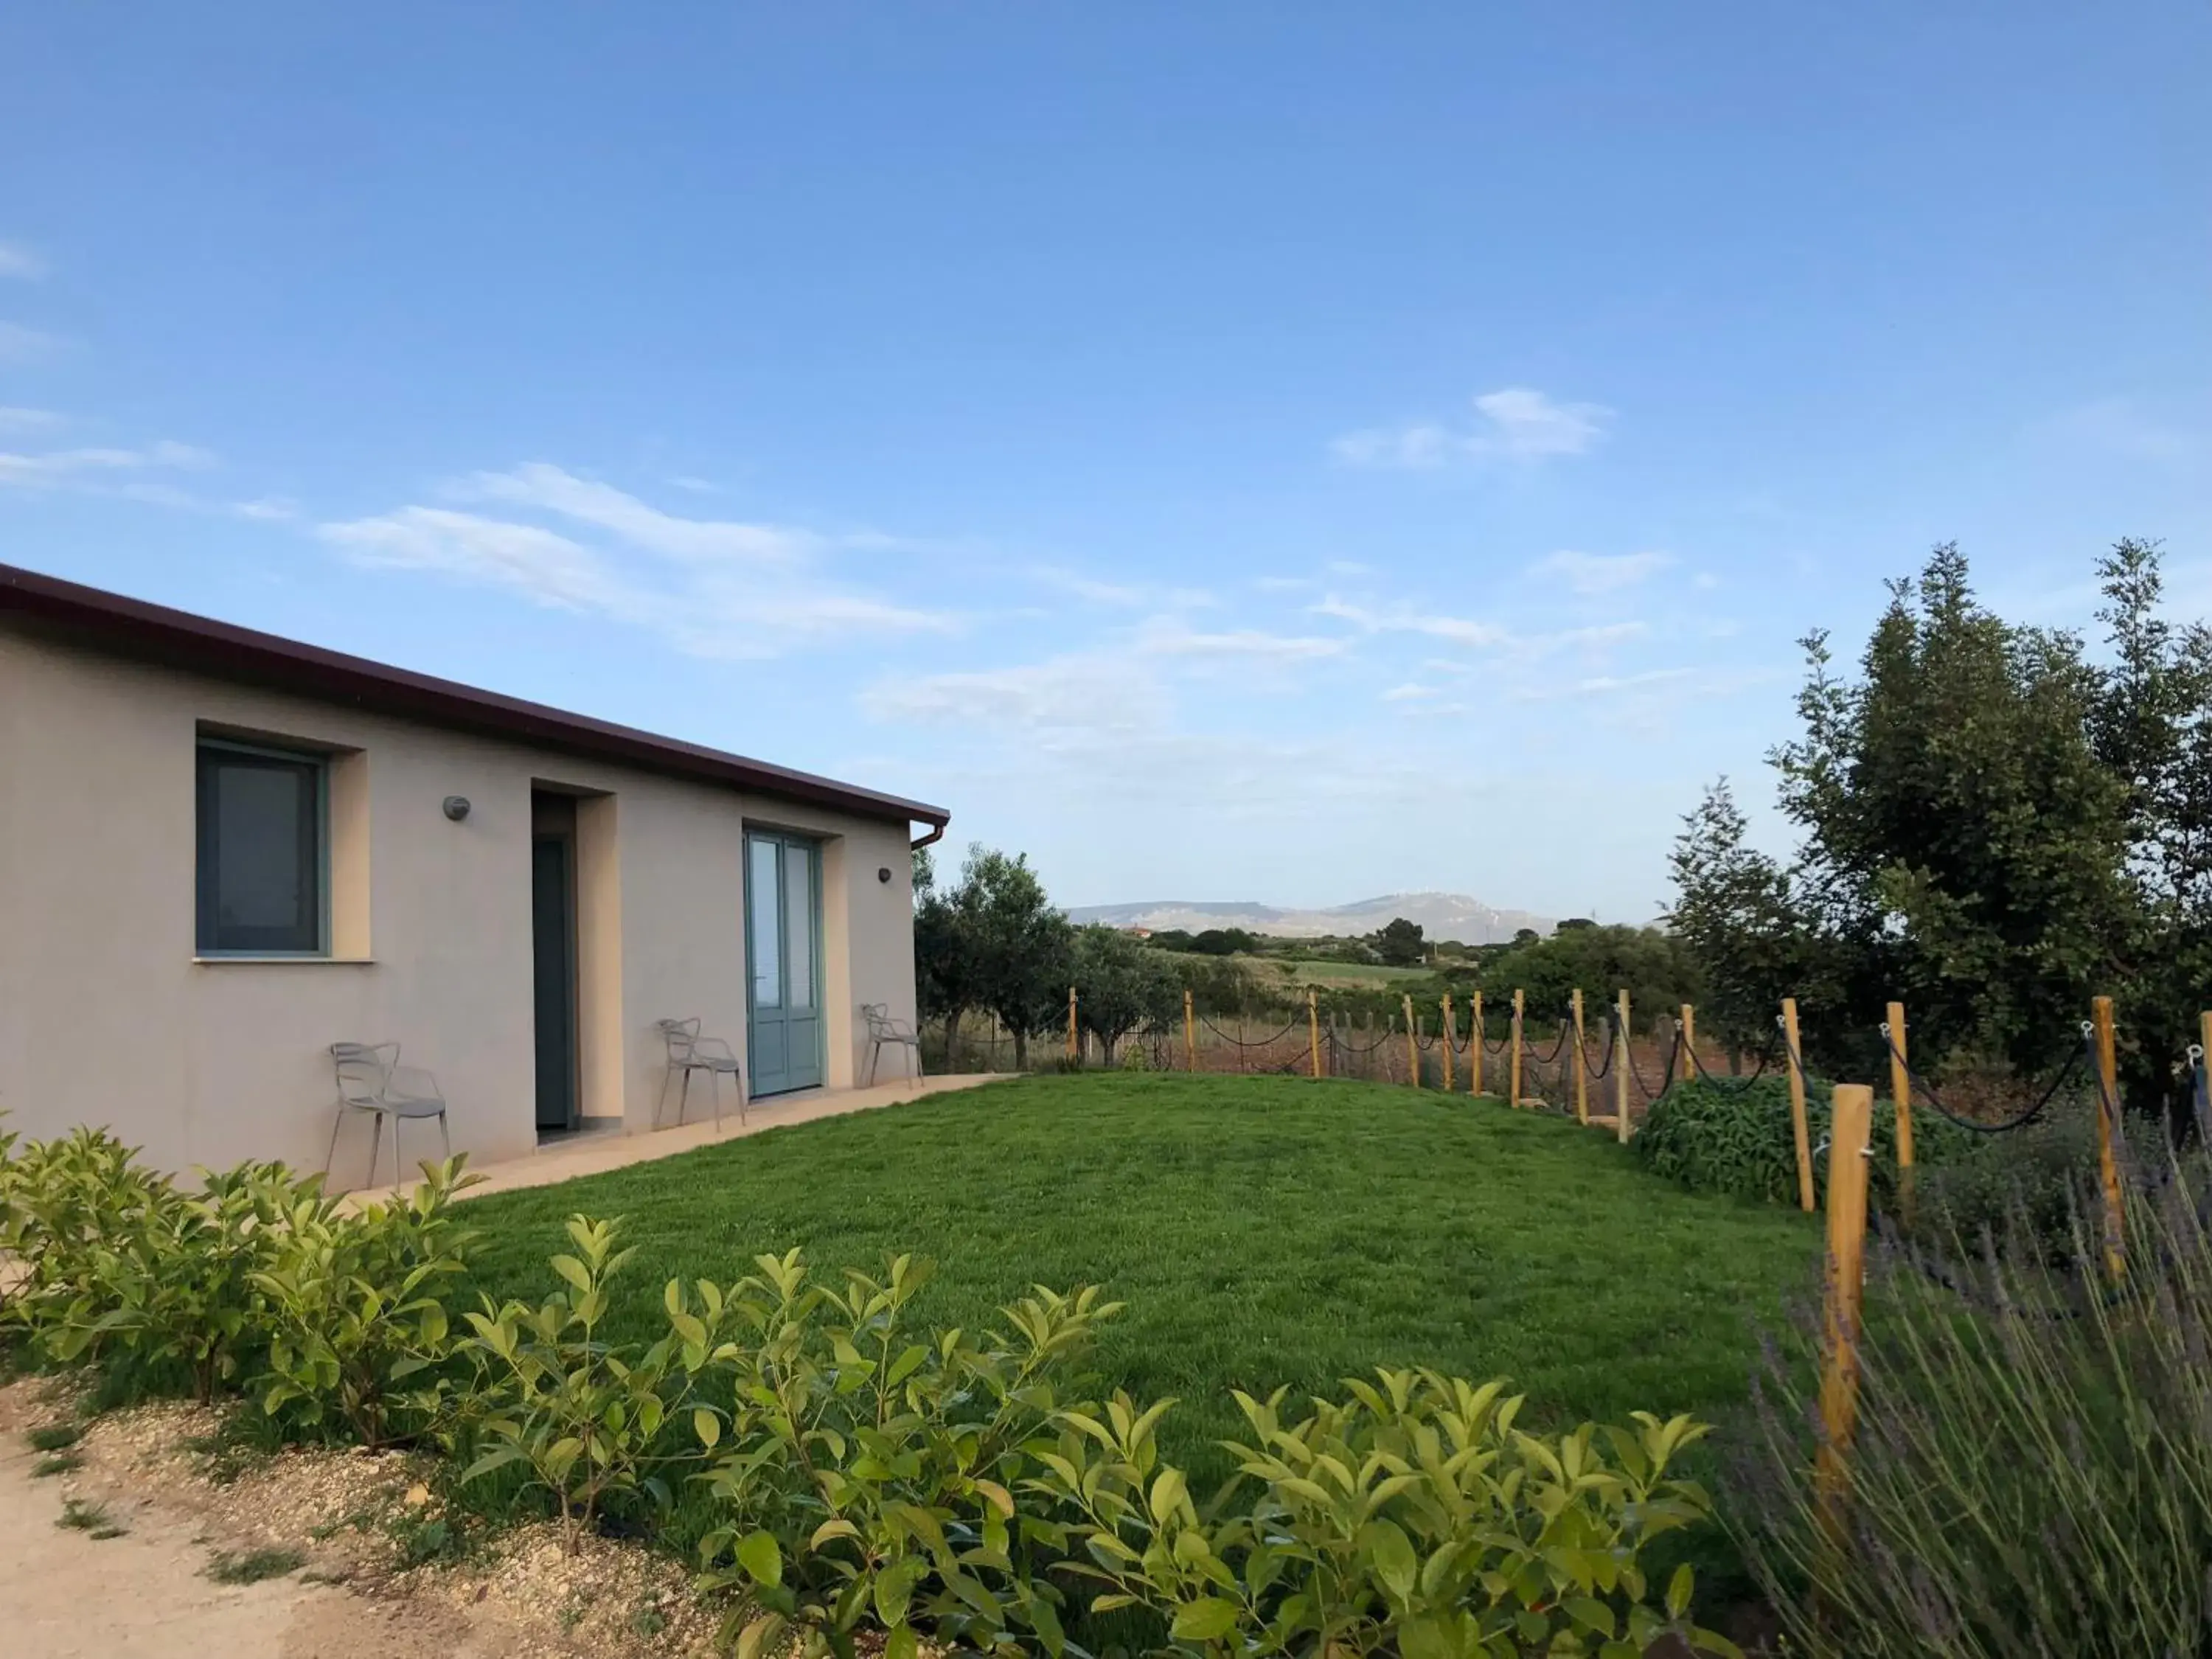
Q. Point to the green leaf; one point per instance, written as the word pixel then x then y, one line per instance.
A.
pixel 763 1633
pixel 1680 1589
pixel 707 1426
pixel 1392 1551
pixel 760 1556
pixel 1206 1619
pixel 901 1643
pixel 574 1270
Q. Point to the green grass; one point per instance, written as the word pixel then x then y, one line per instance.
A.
pixel 53 1436
pixel 1353 976
pixel 1262 1232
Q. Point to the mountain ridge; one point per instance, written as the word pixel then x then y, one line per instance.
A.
pixel 1457 917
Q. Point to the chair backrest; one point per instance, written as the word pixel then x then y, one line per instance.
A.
pixel 679 1034
pixel 363 1070
pixel 879 1016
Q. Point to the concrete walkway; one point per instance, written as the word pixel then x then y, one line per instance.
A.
pixel 595 1154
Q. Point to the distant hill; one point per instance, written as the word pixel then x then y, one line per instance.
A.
pixel 1453 916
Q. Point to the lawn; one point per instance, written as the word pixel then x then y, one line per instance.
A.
pixel 1262 1230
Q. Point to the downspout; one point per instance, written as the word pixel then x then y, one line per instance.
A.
pixel 929 840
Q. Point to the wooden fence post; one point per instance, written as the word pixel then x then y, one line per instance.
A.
pixel 1513 1093
pixel 1689 1043
pixel 1852 1121
pixel 1312 1028
pixel 1790 1058
pixel 1072 1053
pixel 2108 1163
pixel 1900 1095
pixel 1189 1035
pixel 1450 1071
pixel 1413 1045
pixel 1621 1062
pixel 1474 1051
pixel 1582 1082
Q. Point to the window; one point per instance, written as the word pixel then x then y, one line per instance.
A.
pixel 262 852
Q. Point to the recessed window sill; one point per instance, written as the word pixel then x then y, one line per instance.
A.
pixel 290 961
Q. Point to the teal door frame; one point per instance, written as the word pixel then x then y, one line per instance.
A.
pixel 784 1026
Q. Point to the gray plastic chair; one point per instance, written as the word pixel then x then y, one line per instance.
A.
pixel 884 1032
pixel 688 1052
pixel 371 1079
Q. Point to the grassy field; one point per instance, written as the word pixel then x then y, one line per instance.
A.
pixel 1345 975
pixel 1262 1230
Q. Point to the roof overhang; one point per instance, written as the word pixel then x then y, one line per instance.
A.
pixel 177 639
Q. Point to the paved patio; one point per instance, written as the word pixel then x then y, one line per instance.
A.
pixel 591 1153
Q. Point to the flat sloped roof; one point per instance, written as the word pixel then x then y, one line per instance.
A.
pixel 154 633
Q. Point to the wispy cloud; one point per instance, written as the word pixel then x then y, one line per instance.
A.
pixel 1404 619
pixel 268 508
pixel 21 343
pixel 1474 632
pixel 551 489
pixel 1164 638
pixel 718 588
pixel 19 262
pixel 59 468
pixel 1592 574
pixel 1411 692
pixel 1514 423
pixel 1076 693
pixel 27 419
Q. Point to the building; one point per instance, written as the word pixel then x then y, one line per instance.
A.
pixel 221 852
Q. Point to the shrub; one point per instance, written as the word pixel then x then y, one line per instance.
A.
pixel 1737 1138
pixel 2032 1472
pixel 869 1474
pixel 1411 1519
pixel 353 1312
pixel 172 1280
pixel 2020 1185
pixel 64 1204
pixel 582 1414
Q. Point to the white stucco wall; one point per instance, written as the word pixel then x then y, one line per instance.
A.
pixel 106 1017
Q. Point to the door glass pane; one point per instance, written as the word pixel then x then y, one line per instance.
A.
pixel 798 922
pixel 764 899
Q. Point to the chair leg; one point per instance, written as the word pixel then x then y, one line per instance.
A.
pixel 918 1072
pixel 715 1082
pixel 395 1155
pixel 683 1100
pixel 661 1106
pixel 330 1162
pixel 875 1053
pixel 446 1136
pixel 376 1145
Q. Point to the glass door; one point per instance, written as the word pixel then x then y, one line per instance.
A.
pixel 783 951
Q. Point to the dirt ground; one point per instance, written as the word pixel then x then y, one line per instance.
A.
pixel 118 1558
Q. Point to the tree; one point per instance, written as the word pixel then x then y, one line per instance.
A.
pixel 1738 917
pixel 992 943
pixel 1399 945
pixel 1224 942
pixel 1655 968
pixel 1120 985
pixel 1018 943
pixel 1993 829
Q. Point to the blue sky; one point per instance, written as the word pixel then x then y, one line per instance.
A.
pixel 1234 451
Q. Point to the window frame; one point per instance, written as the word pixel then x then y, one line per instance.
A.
pixel 206 929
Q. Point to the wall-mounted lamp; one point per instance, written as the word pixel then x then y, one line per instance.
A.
pixel 884 874
pixel 457 807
